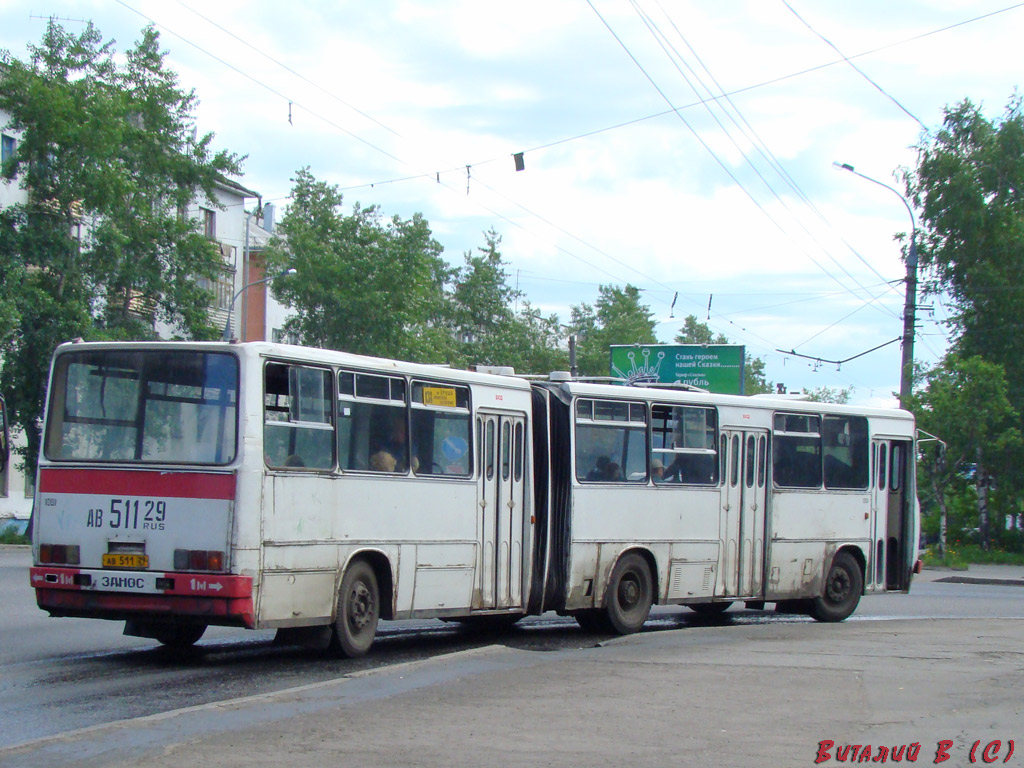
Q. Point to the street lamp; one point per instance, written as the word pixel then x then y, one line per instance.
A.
pixel 231 307
pixel 910 302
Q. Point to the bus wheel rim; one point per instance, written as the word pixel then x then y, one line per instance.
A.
pixel 360 607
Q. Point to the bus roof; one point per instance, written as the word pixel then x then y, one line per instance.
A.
pixel 295 353
pixel 760 402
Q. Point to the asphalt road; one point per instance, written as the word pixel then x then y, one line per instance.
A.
pixel 59 675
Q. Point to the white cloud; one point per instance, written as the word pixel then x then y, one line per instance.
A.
pixel 457 82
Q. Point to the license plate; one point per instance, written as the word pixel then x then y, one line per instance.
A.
pixel 125 561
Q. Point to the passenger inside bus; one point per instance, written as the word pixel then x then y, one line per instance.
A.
pixel 391 452
pixel 612 472
pixel 600 469
pixel 695 469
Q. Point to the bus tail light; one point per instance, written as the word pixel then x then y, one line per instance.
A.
pixel 198 560
pixel 60 554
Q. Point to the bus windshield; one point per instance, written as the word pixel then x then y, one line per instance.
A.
pixel 150 406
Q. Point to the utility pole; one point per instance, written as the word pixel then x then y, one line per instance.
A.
pixel 910 300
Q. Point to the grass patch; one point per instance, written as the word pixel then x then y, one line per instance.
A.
pixel 960 556
pixel 9 535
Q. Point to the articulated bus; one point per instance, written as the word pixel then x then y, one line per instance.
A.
pixel 260 485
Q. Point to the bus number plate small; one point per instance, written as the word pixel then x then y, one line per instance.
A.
pixel 440 396
pixel 125 561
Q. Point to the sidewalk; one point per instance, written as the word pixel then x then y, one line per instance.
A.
pixel 1004 575
pixel 763 695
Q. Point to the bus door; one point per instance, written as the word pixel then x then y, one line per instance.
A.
pixel 501 498
pixel 891 514
pixel 743 513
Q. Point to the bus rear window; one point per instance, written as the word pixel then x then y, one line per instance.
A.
pixel 149 406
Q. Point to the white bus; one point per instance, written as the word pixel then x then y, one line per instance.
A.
pixel 259 485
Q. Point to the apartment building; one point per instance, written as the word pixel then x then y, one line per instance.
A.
pixel 240 225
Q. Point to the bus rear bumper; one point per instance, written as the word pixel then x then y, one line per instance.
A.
pixel 126 595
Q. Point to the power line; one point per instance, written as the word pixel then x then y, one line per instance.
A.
pixel 763 148
pixel 857 69
pixel 704 144
pixel 285 67
pixel 388 154
pixel 751 135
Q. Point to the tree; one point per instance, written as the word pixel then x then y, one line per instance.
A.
pixel 836 395
pixel 100 249
pixel 490 328
pixel 618 317
pixel 964 403
pixel 364 284
pixel 696 332
pixel 968 183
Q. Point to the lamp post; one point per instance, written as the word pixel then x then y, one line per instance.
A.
pixel 910 301
pixel 231 307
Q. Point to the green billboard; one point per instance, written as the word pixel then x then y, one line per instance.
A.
pixel 714 367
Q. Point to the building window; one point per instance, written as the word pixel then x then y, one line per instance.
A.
pixel 209 223
pixel 7 147
pixel 221 288
pixel 282 336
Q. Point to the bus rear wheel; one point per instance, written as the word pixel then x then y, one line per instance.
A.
pixel 630 594
pixel 358 610
pixel 178 637
pixel 841 593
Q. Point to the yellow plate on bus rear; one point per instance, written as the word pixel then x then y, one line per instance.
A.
pixel 125 561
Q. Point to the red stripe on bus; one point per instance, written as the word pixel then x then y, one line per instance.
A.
pixel 231 611
pixel 180 583
pixel 114 482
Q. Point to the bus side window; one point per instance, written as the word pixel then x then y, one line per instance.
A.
pixel 372 423
pixel 845 440
pixel 749 461
pixel 683 445
pixel 896 468
pixel 796 451
pixel 611 442
pixel 441 430
pixel 762 470
pixel 298 429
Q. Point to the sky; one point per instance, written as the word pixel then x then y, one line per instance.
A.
pixel 682 146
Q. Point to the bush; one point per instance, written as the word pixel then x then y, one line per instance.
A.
pixel 11 535
pixel 959 556
pixel 953 558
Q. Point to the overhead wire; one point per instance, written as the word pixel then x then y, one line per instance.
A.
pixel 762 146
pixel 288 69
pixel 726 94
pixel 857 69
pixel 704 143
pixel 675 57
pixel 675 110
pixel 371 144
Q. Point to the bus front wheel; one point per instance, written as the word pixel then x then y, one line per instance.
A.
pixel 358 610
pixel 630 594
pixel 843 586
